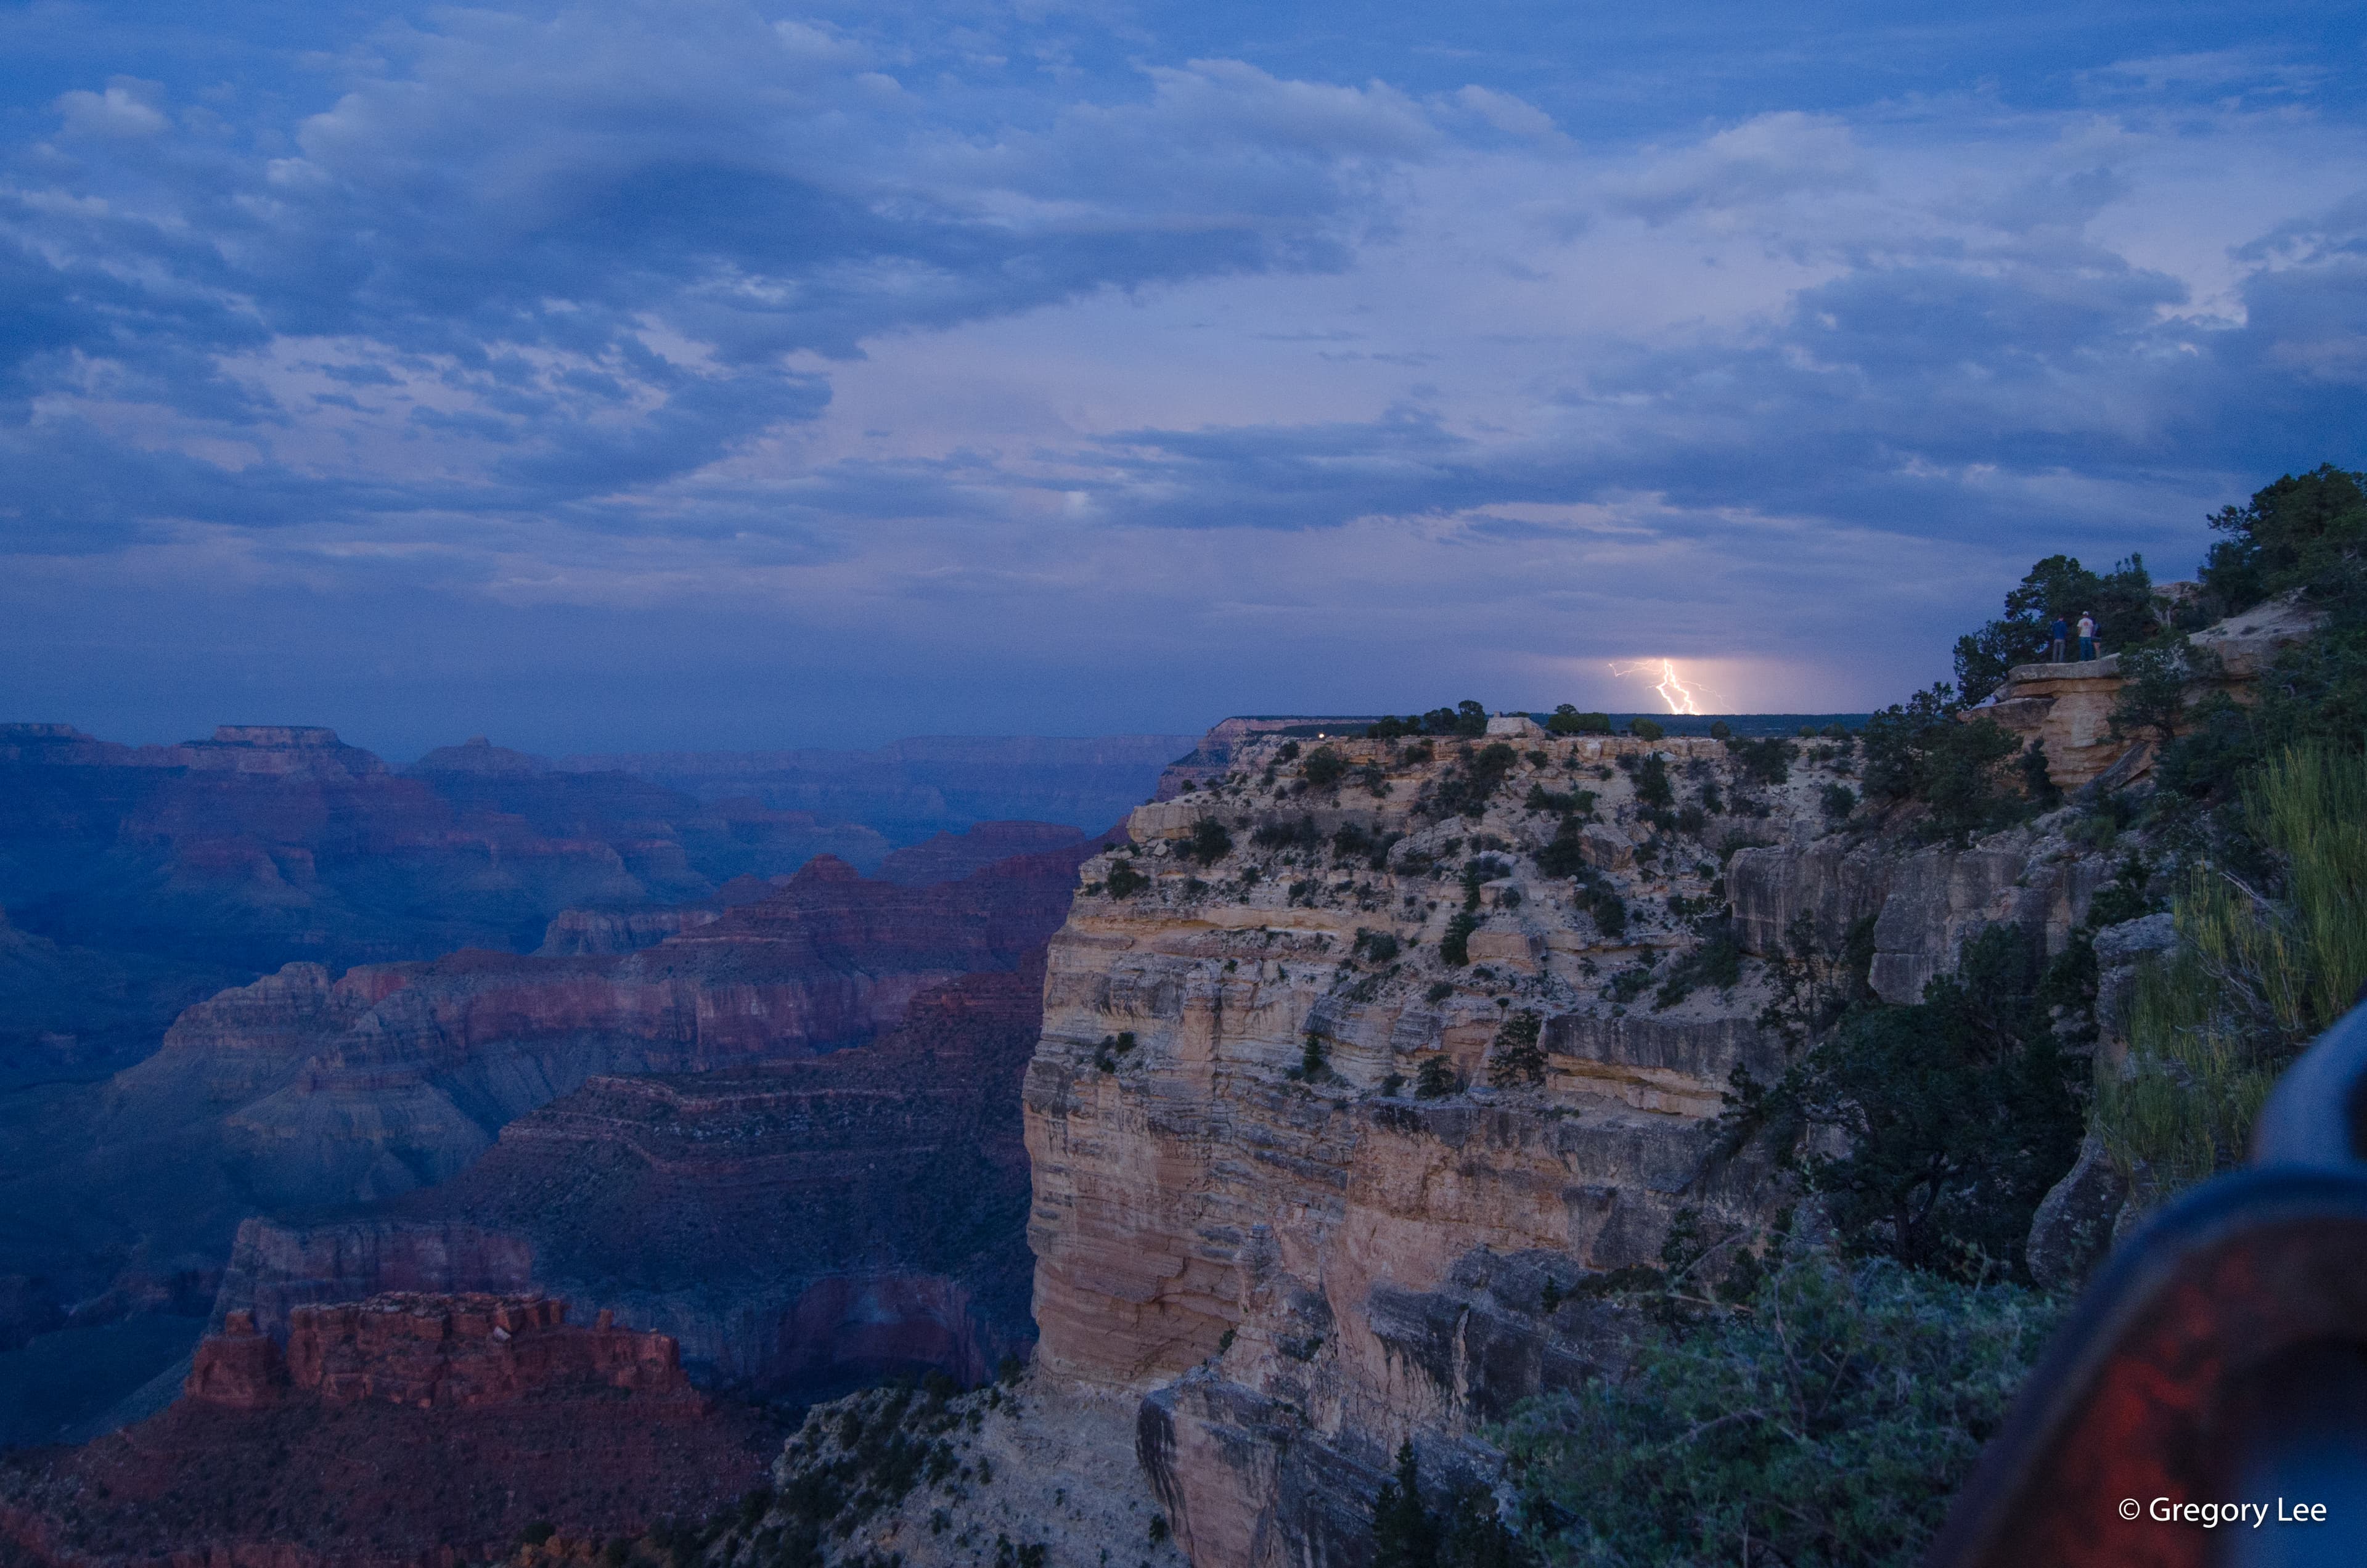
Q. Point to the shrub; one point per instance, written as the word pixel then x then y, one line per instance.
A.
pixel 1406 1534
pixel 1644 728
pixel 1920 751
pixel 1379 946
pixel 1287 833
pixel 1767 761
pixel 1716 963
pixel 1467 790
pixel 1828 1424
pixel 1455 947
pixel 1516 1059
pixel 1209 843
pixel 1325 767
pixel 1434 1080
pixel 1652 787
pixel 1571 802
pixel 1953 1116
pixel 1314 1057
pixel 1838 800
pixel 1720 730
pixel 1567 720
pixel 1125 881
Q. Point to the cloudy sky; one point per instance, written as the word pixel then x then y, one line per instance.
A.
pixel 711 374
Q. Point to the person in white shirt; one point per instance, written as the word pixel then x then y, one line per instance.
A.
pixel 2087 635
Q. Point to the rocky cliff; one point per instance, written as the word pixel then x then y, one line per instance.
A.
pixel 305 1091
pixel 403 1429
pixel 1326 1099
pixel 801 1228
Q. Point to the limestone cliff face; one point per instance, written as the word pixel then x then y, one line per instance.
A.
pixel 1297 1268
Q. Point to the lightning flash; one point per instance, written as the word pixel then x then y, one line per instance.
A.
pixel 1683 696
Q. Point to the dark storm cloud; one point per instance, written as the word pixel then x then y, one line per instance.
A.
pixel 1115 343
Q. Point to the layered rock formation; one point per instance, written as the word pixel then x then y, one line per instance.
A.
pixel 435 1352
pixel 1300 1182
pixel 406 1430
pixel 304 1091
pixel 800 1228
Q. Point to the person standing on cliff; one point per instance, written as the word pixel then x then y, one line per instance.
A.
pixel 2087 635
pixel 2058 640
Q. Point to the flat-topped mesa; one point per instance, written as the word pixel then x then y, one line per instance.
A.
pixel 1354 1053
pixel 2069 708
pixel 431 1352
pixel 279 750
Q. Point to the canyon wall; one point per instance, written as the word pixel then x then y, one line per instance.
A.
pixel 1300 1186
pixel 421 1430
pixel 800 1228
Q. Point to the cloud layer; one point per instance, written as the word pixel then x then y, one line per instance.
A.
pixel 790 374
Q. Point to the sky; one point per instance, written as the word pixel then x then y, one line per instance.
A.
pixel 709 375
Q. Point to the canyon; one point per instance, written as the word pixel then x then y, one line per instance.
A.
pixel 399 1429
pixel 1325 1094
pixel 307 1093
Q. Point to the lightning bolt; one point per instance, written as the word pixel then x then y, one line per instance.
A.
pixel 1683 696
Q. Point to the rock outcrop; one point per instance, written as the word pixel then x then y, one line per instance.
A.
pixel 403 1429
pixel 1300 1184
pixel 435 1352
pixel 2069 708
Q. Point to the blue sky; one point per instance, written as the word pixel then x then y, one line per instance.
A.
pixel 711 375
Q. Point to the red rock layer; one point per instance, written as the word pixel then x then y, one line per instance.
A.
pixel 434 1352
pixel 404 1431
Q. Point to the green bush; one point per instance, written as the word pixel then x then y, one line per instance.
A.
pixel 1407 1534
pixel 1921 751
pixel 1769 761
pixel 1644 729
pixel 1125 881
pixel 1716 963
pixel 1652 787
pixel 1516 1059
pixel 1455 947
pixel 1467 790
pixel 1434 1080
pixel 1208 842
pixel 1953 1116
pixel 1567 720
pixel 1324 767
pixel 1838 800
pixel 1825 1426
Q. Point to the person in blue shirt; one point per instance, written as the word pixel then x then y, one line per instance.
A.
pixel 2058 638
